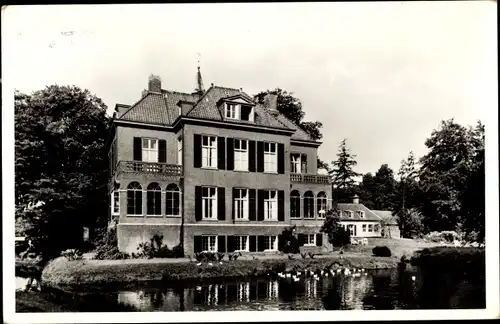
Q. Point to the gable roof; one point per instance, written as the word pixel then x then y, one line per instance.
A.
pixel 299 134
pixel 369 215
pixel 386 215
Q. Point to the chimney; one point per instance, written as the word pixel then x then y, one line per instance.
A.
pixel 271 102
pixel 120 109
pixel 144 93
pixel 355 199
pixel 154 83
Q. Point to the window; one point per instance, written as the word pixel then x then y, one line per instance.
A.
pixel 271 204
pixel 364 227
pixel 310 239
pixel 309 205
pixel 134 199
pixel 321 204
pixel 240 155
pixel 150 150
pixel 241 204
pixel 154 199
pixel 370 228
pixel 295 204
pixel 348 213
pixel 361 213
pixel 350 227
pixel 272 291
pixel 115 202
pixel 231 111
pixel 209 243
pixel 270 243
pixel 209 152
pixel 270 157
pixel 376 228
pixel 246 112
pixel 241 243
pixel 173 200
pixel 209 202
pixel 179 151
pixel 295 163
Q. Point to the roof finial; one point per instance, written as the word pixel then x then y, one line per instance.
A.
pixel 199 79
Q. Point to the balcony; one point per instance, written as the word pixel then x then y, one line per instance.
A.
pixel 164 169
pixel 310 178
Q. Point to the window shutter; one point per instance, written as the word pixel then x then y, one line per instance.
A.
pixel 162 151
pixel 251 156
pixel 252 243
pixel 197 244
pixel 252 205
pixel 197 203
pixel 230 244
pixel 281 205
pixel 319 239
pixel 221 244
pixel 221 153
pixel 260 205
pixel 233 212
pixel 302 239
pixel 221 203
pixel 303 161
pixel 260 243
pixel 230 153
pixel 260 156
pixel 137 149
pixel 281 158
pixel 197 151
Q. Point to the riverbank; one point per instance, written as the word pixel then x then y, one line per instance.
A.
pixel 62 274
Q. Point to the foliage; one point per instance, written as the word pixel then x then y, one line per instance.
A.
pixel 72 254
pixel 410 223
pixel 206 256
pixel 337 235
pixel 343 174
pixel 291 107
pixel 377 192
pixel 60 165
pixel 442 237
pixel 287 242
pixel 107 246
pixel 454 162
pixel 155 249
pixel 381 251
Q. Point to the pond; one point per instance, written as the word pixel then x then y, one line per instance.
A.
pixel 380 289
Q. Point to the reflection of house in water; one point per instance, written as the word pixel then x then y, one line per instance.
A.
pixel 136 299
pixel 311 288
pixel 354 289
pixel 273 290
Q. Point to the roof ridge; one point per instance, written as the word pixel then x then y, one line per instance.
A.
pixel 178 92
pixel 135 104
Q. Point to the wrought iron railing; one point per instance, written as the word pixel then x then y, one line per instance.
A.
pixel 309 178
pixel 150 167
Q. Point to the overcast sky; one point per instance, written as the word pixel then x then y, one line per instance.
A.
pixel 382 75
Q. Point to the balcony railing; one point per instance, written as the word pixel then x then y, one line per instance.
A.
pixel 310 178
pixel 150 167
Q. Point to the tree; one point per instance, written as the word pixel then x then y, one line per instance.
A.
pixel 337 235
pixel 366 190
pixel 287 242
pixel 291 107
pixel 453 157
pixel 60 165
pixel 342 173
pixel 384 188
pixel 410 223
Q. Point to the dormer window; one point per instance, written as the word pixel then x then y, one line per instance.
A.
pixel 361 213
pixel 239 111
pixel 348 213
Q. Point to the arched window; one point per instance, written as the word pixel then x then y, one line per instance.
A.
pixel 309 205
pixel 134 199
pixel 321 204
pixel 173 200
pixel 295 204
pixel 154 199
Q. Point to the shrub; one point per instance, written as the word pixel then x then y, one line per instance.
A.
pixel 107 246
pixel 337 235
pixel 381 251
pixel 72 254
pixel 287 242
pixel 442 237
pixel 155 249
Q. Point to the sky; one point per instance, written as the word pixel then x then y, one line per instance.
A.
pixel 381 75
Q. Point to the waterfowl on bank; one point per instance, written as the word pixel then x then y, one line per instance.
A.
pixel 413 278
pixel 210 264
pixel 288 275
pixel 198 288
pixel 198 264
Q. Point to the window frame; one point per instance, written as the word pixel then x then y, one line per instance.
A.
pixel 156 192
pixel 295 194
pixel 309 200
pixel 271 157
pixel 297 165
pixel 360 213
pixel 208 237
pixel 213 203
pixel 270 205
pixel 209 162
pixel 176 194
pixel 179 150
pixel 364 228
pixel 242 153
pixel 308 240
pixel 267 243
pixel 229 110
pixel 146 151
pixel 321 200
pixel 370 228
pixel 136 190
pixel 245 208
pixel 238 239
pixel 115 205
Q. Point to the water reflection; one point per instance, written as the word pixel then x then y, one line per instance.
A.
pixel 384 289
